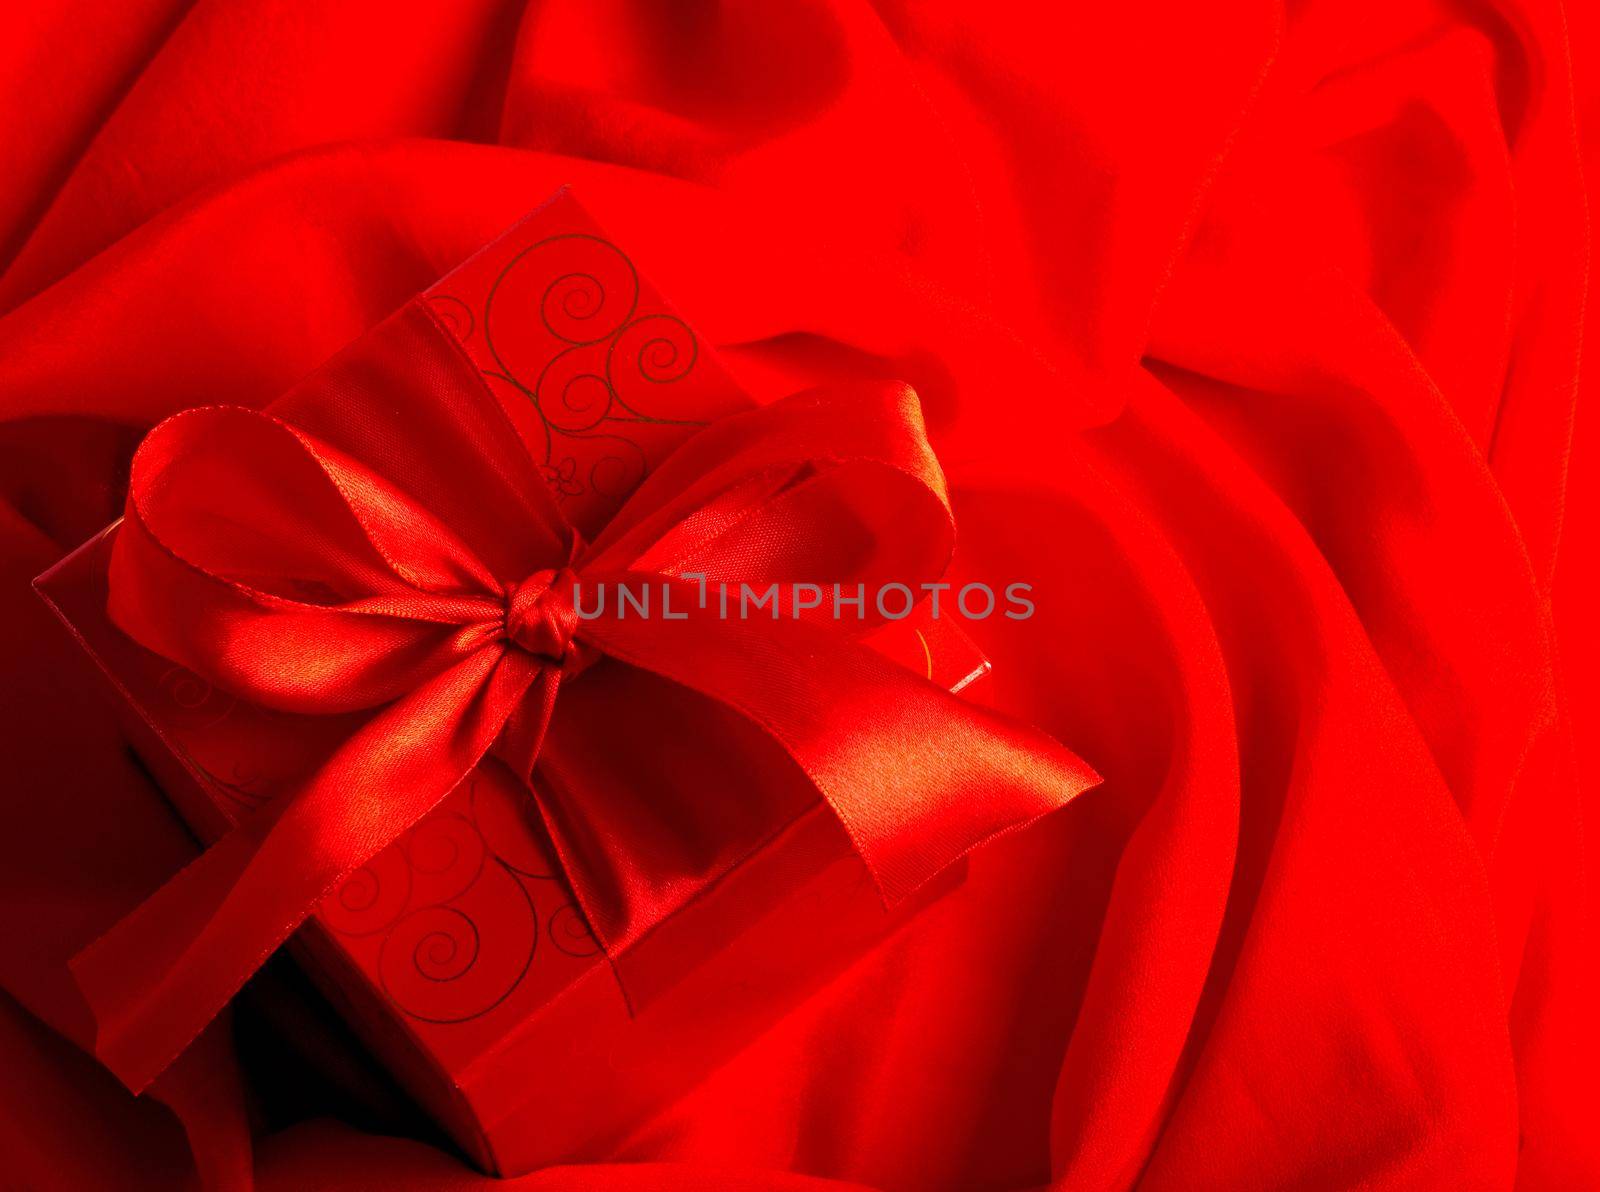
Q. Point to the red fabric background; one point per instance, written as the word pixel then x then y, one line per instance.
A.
pixel 1249 333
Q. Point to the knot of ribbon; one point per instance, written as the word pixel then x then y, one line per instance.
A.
pixel 380 546
pixel 542 619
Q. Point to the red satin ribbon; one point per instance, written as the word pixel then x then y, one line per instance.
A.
pixel 382 543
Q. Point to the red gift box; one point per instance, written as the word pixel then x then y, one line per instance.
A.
pixel 459 952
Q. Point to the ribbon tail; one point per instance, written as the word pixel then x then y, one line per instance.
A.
pixel 161 974
pixel 917 777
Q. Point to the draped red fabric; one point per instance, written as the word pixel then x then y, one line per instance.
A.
pixel 1248 333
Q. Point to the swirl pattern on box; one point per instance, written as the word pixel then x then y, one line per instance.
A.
pixel 595 372
pixel 424 901
pixel 426 896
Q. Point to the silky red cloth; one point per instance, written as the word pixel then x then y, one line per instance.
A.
pixel 1248 333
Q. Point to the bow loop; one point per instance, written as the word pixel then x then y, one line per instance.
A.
pixel 215 567
pixel 835 485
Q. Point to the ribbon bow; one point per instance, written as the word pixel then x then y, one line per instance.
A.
pixel 382 546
